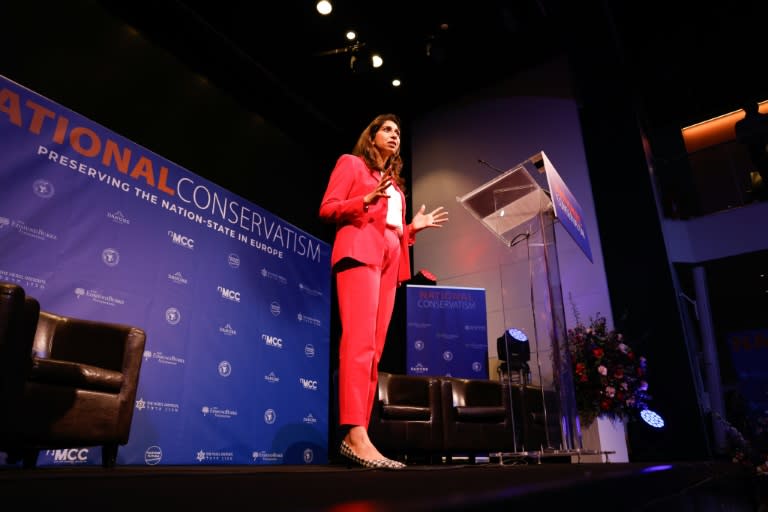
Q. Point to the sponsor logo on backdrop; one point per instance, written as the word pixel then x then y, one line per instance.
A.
pixel 99 297
pixel 266 274
pixel 153 455
pixel 43 189
pixel 306 319
pixel 309 419
pixel 309 291
pixel 418 344
pixel 25 280
pixel 68 456
pixel 419 325
pixel 308 384
pixel 482 328
pixel 267 456
pixel 446 336
pixel 178 278
pixel 309 350
pixel 233 260
pixel 228 294
pixel 214 456
pixel 118 217
pixel 225 369
pixel 270 416
pixel 419 368
pixel 272 341
pixel 182 240
pixel 228 330
pixel 110 257
pixel 447 355
pixel 163 358
pixel 309 455
pixel 218 412
pixel 274 308
pixel 272 378
pixel 23 229
pixel 156 406
pixel 172 316
pixel 477 366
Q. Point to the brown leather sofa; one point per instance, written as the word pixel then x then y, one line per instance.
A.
pixel 407 420
pixel 80 389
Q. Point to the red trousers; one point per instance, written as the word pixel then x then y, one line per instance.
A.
pixel 366 296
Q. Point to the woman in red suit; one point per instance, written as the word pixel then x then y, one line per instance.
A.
pixel 370 259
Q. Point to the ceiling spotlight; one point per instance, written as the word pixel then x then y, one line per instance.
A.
pixel 324 7
pixel 376 60
pixel 396 82
pixel 351 35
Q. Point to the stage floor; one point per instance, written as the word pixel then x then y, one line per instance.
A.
pixel 418 488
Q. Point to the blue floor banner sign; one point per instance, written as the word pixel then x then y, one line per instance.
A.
pixel 235 301
pixel 446 331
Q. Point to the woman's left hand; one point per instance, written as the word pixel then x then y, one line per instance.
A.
pixel 433 219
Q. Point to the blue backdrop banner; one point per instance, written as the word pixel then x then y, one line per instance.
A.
pixel 446 332
pixel 235 301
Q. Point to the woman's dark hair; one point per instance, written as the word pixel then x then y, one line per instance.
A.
pixel 365 149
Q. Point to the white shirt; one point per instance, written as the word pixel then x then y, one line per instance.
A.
pixel 394 209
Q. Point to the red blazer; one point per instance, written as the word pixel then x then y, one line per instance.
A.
pixel 360 233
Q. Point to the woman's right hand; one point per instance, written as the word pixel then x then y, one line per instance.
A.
pixel 379 191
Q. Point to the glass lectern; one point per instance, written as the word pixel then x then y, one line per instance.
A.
pixel 516 207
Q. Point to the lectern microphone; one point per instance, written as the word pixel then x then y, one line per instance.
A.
pixel 479 160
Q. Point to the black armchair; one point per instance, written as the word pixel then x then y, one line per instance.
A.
pixel 18 321
pixel 537 416
pixel 476 417
pixel 80 389
pixel 406 419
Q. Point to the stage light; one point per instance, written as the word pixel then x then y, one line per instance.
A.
pixel 514 353
pixel 362 60
pixel 324 7
pixel 513 349
pixel 516 334
pixel 652 418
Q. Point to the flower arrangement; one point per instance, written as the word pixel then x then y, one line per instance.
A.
pixel 609 377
